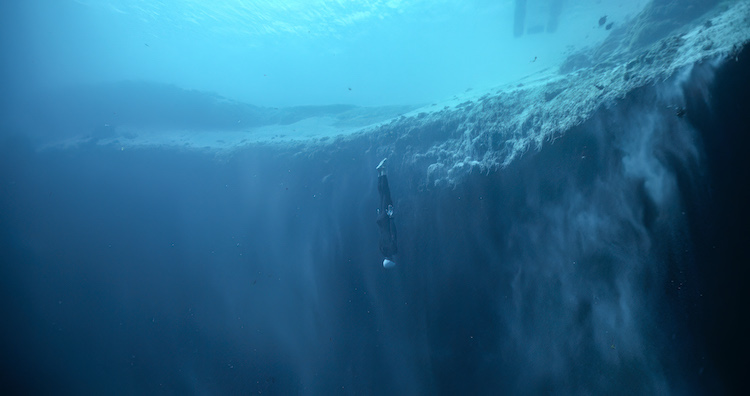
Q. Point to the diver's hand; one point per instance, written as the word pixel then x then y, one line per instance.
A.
pixel 388 264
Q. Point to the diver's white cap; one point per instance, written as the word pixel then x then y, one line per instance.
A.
pixel 388 263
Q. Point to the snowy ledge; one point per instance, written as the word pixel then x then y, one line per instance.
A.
pixel 478 130
pixel 490 131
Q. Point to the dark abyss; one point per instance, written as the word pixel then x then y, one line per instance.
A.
pixel 160 271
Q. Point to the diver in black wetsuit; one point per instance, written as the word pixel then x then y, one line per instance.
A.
pixel 388 244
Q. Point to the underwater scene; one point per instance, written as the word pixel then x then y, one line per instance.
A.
pixel 374 197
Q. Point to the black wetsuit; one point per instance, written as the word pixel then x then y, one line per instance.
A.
pixel 387 229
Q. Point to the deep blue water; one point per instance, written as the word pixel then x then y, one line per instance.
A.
pixel 612 260
pixel 167 271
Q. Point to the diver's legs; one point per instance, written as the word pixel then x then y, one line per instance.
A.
pixel 383 189
pixel 386 204
pixel 381 167
pixel 385 214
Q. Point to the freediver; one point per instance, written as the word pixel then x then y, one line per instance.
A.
pixel 385 219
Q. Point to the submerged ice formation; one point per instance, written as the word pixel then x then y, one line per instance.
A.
pixel 492 130
pixel 478 130
pixel 563 271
